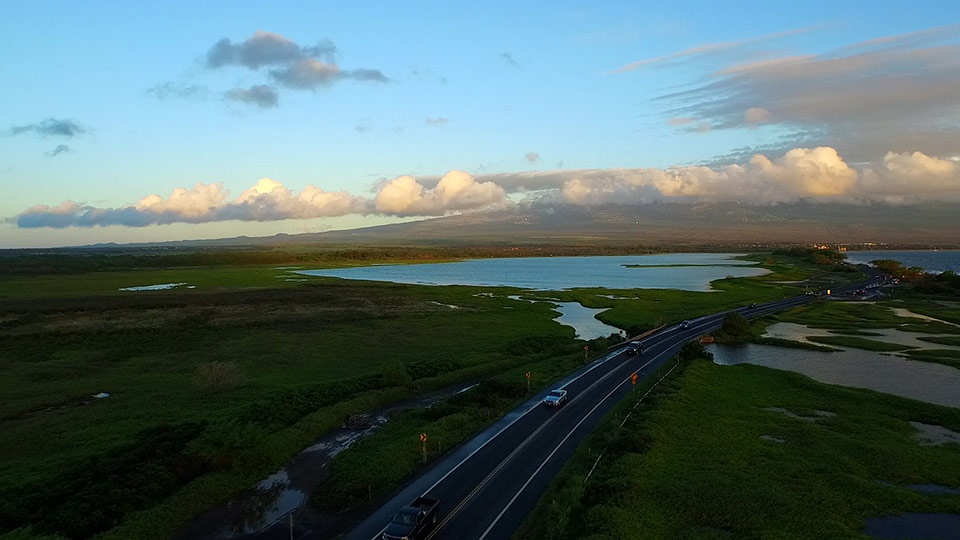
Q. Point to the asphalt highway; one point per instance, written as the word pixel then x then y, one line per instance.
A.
pixel 489 485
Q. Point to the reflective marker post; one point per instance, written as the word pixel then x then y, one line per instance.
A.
pixel 528 382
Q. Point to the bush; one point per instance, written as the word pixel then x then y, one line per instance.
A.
pixel 693 351
pixel 735 325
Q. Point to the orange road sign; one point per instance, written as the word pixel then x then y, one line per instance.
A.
pixel 633 378
pixel 423 437
pixel 528 374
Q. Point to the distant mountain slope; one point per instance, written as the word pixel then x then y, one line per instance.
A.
pixel 654 224
pixel 678 224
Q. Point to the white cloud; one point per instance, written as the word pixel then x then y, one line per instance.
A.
pixel 817 174
pixel 802 172
pixel 456 191
pixel 913 177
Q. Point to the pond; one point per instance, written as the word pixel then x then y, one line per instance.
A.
pixel 924 381
pixel 686 271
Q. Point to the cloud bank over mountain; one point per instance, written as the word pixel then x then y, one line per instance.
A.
pixel 814 174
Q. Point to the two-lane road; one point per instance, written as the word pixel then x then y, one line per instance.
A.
pixel 489 485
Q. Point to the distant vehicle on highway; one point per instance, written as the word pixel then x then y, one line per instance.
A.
pixel 685 324
pixel 555 398
pixel 413 522
pixel 634 348
pixel 753 305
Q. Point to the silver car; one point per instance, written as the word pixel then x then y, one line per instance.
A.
pixel 556 398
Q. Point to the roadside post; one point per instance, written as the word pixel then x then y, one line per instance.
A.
pixel 528 382
pixel 586 349
pixel 423 439
pixel 633 381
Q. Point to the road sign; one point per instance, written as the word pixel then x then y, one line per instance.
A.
pixel 423 437
pixel 633 378
pixel 528 374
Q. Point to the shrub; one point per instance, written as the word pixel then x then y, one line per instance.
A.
pixel 735 324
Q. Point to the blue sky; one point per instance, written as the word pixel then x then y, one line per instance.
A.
pixel 124 122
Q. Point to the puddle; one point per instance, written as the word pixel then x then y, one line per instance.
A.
pixel 933 435
pixel 160 287
pixel 451 306
pixel 819 414
pixel 269 502
pixel 262 510
pixel 914 525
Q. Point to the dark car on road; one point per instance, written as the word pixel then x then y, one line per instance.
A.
pixel 684 325
pixel 634 348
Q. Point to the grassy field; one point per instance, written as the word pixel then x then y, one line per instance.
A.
pixel 213 387
pixel 749 452
pixel 282 354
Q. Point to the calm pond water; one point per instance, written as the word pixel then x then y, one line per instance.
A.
pixel 924 381
pixel 931 261
pixel 686 271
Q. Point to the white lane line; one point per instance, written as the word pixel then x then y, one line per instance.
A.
pixel 596 364
pixel 549 457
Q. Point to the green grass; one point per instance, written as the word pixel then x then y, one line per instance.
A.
pixel 292 349
pixel 947 357
pixel 789 343
pixel 301 356
pixel 860 343
pixel 709 457
pixel 942 340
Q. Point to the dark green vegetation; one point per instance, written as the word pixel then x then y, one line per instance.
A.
pixel 236 382
pixel 213 388
pixel 749 452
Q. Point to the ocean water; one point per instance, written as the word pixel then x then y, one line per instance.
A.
pixel 931 261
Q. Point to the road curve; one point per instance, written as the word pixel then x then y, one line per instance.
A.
pixel 488 485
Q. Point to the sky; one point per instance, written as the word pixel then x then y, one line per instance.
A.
pixel 140 122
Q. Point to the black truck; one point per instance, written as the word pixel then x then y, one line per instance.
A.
pixel 413 522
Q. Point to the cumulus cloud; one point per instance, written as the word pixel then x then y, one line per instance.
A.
pixel 268 200
pixel 261 95
pixel 265 49
pixel 278 62
pixel 913 177
pixel 290 65
pixel 455 191
pixel 819 174
pixel 896 92
pixel 532 157
pixel 50 127
pixel 815 174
